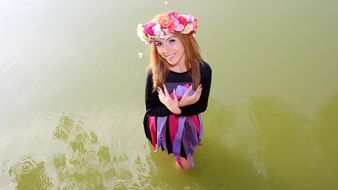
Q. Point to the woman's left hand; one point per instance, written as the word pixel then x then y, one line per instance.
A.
pixel 187 99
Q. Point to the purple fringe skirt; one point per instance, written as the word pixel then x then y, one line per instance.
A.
pixel 178 135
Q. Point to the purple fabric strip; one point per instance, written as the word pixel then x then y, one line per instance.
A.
pixel 178 137
pixel 189 137
pixel 160 128
pixel 201 128
pixel 164 140
pixel 180 90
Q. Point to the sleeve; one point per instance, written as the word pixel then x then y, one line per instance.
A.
pixel 154 106
pixel 202 104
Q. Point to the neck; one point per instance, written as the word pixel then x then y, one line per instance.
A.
pixel 179 68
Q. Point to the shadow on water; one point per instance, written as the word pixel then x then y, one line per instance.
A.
pixel 86 164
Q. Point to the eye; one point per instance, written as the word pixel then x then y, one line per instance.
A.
pixel 172 41
pixel 158 44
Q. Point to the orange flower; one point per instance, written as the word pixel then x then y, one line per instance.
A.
pixel 166 22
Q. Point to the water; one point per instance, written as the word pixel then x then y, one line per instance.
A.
pixel 72 92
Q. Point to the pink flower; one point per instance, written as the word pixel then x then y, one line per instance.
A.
pixel 166 22
pixel 173 14
pixel 148 28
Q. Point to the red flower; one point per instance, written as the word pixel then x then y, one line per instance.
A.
pixel 182 21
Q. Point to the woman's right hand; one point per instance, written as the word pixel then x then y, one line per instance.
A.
pixel 186 99
pixel 170 103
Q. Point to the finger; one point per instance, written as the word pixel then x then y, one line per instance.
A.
pixel 174 93
pixel 198 95
pixel 165 90
pixel 187 91
pixel 197 90
pixel 160 92
pixel 199 87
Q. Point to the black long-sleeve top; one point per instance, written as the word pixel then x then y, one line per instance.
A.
pixel 154 106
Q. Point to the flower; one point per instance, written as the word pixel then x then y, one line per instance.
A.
pixel 148 28
pixel 158 31
pixel 182 21
pixel 140 32
pixel 189 28
pixel 166 23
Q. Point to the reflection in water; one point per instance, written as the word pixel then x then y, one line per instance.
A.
pixel 238 136
pixel 85 165
pixel 30 174
pixel 294 145
pixel 266 143
pixel 281 146
pixel 278 134
pixel 323 151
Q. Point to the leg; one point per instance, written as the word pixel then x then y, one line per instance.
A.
pixel 185 164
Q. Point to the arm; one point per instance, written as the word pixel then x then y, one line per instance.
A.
pixel 201 105
pixel 153 104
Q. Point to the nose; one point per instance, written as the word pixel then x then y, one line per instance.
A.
pixel 165 48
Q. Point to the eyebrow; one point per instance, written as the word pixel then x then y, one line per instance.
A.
pixel 166 39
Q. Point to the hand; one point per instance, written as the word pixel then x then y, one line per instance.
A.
pixel 186 99
pixel 171 104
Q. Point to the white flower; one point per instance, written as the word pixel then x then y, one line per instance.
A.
pixel 189 18
pixel 178 27
pixel 157 29
pixel 140 32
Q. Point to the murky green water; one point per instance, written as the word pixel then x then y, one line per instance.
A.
pixel 71 96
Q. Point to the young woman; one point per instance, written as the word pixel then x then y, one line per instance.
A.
pixel 177 86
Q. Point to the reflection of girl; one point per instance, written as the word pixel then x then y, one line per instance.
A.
pixel 177 87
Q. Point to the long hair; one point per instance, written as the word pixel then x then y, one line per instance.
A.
pixel 160 67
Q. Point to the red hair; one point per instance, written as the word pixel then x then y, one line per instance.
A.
pixel 160 67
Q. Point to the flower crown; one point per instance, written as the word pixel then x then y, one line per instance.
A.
pixel 164 24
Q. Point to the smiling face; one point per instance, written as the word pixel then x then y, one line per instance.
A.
pixel 171 49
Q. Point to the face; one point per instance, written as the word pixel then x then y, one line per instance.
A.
pixel 171 49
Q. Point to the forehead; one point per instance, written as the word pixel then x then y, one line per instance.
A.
pixel 165 37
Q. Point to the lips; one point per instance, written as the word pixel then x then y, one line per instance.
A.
pixel 170 56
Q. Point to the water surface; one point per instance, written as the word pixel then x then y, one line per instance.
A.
pixel 72 96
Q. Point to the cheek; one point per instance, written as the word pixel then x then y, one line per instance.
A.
pixel 180 50
pixel 160 51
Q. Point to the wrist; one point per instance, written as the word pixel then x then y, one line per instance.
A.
pixel 181 104
pixel 176 111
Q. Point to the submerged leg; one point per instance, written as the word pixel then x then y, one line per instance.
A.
pixel 183 163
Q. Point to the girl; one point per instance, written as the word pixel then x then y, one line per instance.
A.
pixel 177 86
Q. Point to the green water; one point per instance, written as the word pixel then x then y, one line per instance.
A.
pixel 72 96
